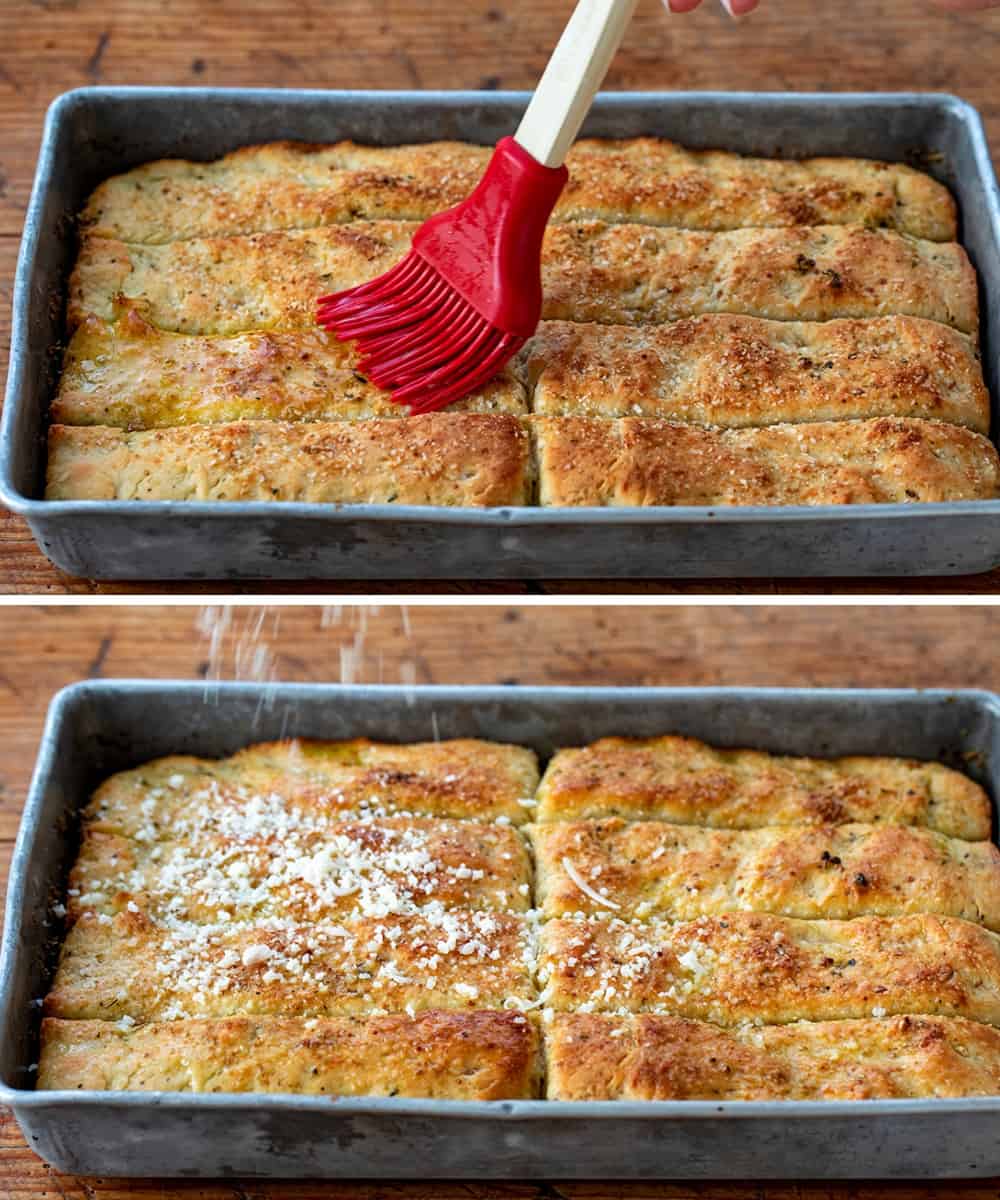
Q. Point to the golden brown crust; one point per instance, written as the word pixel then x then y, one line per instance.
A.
pixel 283 185
pixel 658 182
pixel 686 781
pixel 613 274
pixel 640 461
pixel 635 275
pixel 293 185
pixel 756 967
pixel 268 863
pixel 444 1055
pixel 135 967
pixel 665 1058
pixel 265 281
pixel 450 459
pixel 735 371
pixel 460 778
pixel 128 374
pixel 681 872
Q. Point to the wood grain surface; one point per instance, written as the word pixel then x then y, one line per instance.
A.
pixel 48 647
pixel 51 45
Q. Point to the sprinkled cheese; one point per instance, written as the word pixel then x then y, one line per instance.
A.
pixel 690 962
pixel 585 887
pixel 256 954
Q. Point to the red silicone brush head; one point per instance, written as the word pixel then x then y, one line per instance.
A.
pixel 465 299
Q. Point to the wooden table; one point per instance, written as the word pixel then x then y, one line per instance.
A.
pixel 51 45
pixel 688 645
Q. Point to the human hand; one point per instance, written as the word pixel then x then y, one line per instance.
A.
pixel 735 8
pixel 739 8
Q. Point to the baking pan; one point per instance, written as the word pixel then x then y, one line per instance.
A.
pixel 96 132
pixel 97 728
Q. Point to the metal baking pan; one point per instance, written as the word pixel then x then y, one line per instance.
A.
pixel 96 132
pixel 97 728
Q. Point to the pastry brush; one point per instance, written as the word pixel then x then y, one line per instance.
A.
pixel 468 294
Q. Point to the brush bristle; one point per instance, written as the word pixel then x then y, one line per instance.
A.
pixel 418 338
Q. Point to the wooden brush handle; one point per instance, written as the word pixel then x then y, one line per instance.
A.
pixel 575 71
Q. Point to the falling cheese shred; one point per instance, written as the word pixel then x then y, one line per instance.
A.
pixel 585 887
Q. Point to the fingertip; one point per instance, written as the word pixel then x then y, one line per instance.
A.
pixel 739 8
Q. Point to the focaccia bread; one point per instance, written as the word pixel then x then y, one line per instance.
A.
pixel 362 918
pixel 445 459
pixel 127 373
pixel 638 461
pixel 769 293
pixel 613 274
pixel 665 1058
pixel 148 971
pixel 686 781
pixel 439 1055
pixel 651 868
pixel 285 185
pixel 184 796
pixel 736 371
pixel 270 863
pixel 765 969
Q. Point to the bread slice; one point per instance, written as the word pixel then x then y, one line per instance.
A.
pixel 683 780
pixel 127 373
pixel 443 459
pixel 317 780
pixel 739 371
pixel 654 869
pixel 269 864
pixel 438 1055
pixel 637 461
pixel 665 1058
pixel 283 185
pixel 754 967
pixel 146 970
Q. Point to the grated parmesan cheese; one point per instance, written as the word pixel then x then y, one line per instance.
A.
pixel 585 887
pixel 255 955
